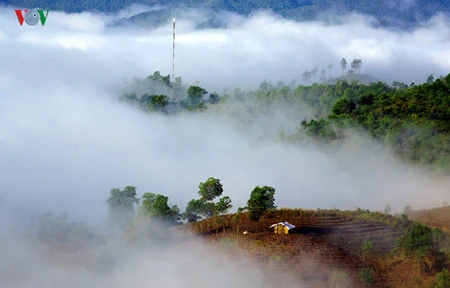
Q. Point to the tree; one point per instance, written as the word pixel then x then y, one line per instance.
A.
pixel 306 76
pixel 237 218
pixel 330 68
pixel 214 98
pixel 205 206
pixel 343 106
pixel 162 211
pixel 323 76
pixel 210 189
pixel 387 209
pixel 195 94
pixel 156 206
pixel 314 73
pixel 430 79
pixel 220 208
pixel 261 199
pixel 193 209
pixel 147 202
pixel 356 64
pixel 157 77
pixel 157 102
pixel 121 205
pixel 407 209
pixel 223 205
pixel 343 65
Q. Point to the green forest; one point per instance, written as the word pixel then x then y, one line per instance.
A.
pixel 412 120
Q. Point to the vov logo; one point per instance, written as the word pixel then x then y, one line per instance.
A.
pixel 31 17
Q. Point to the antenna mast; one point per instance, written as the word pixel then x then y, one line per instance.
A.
pixel 173 53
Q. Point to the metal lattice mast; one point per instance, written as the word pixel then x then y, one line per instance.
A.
pixel 173 52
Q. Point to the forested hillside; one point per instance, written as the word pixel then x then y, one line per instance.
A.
pixel 413 120
pixel 401 14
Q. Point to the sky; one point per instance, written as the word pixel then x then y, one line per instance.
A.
pixel 65 141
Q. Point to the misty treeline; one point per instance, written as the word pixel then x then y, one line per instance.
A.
pixel 413 120
pixel 155 207
pixel 157 93
pixel 53 228
pixel 325 74
pixel 141 216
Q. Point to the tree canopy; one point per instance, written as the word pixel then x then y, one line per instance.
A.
pixel 261 199
pixel 413 119
pixel 205 205
pixel 121 205
pixel 156 206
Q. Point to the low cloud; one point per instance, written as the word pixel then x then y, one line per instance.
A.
pixel 65 141
pixel 63 137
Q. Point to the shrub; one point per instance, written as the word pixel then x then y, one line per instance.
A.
pixel 338 276
pixel 366 275
pixel 366 249
pixel 442 279
pixel 417 241
pixel 227 243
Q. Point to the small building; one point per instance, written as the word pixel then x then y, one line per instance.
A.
pixel 282 227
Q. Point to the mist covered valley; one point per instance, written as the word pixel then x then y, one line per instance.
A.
pixel 263 101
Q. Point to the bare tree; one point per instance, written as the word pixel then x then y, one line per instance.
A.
pixel 323 76
pixel 356 65
pixel 330 67
pixel 314 73
pixel 306 76
pixel 343 65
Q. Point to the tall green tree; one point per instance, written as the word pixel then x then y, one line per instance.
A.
pixel 223 205
pixel 343 65
pixel 193 210
pixel 195 95
pixel 122 205
pixel 210 189
pixel 261 199
pixel 205 206
pixel 156 206
pixel 356 65
pixel 157 102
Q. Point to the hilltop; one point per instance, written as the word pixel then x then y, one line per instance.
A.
pixel 327 247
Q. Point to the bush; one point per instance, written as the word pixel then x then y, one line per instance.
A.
pixel 227 243
pixel 338 276
pixel 442 279
pixel 366 249
pixel 366 275
pixel 418 241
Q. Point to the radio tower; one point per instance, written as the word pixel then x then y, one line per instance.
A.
pixel 173 53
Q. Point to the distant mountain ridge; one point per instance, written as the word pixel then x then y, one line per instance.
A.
pixel 401 14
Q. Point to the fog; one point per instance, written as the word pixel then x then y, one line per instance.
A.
pixel 63 134
pixel 263 46
pixel 65 141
